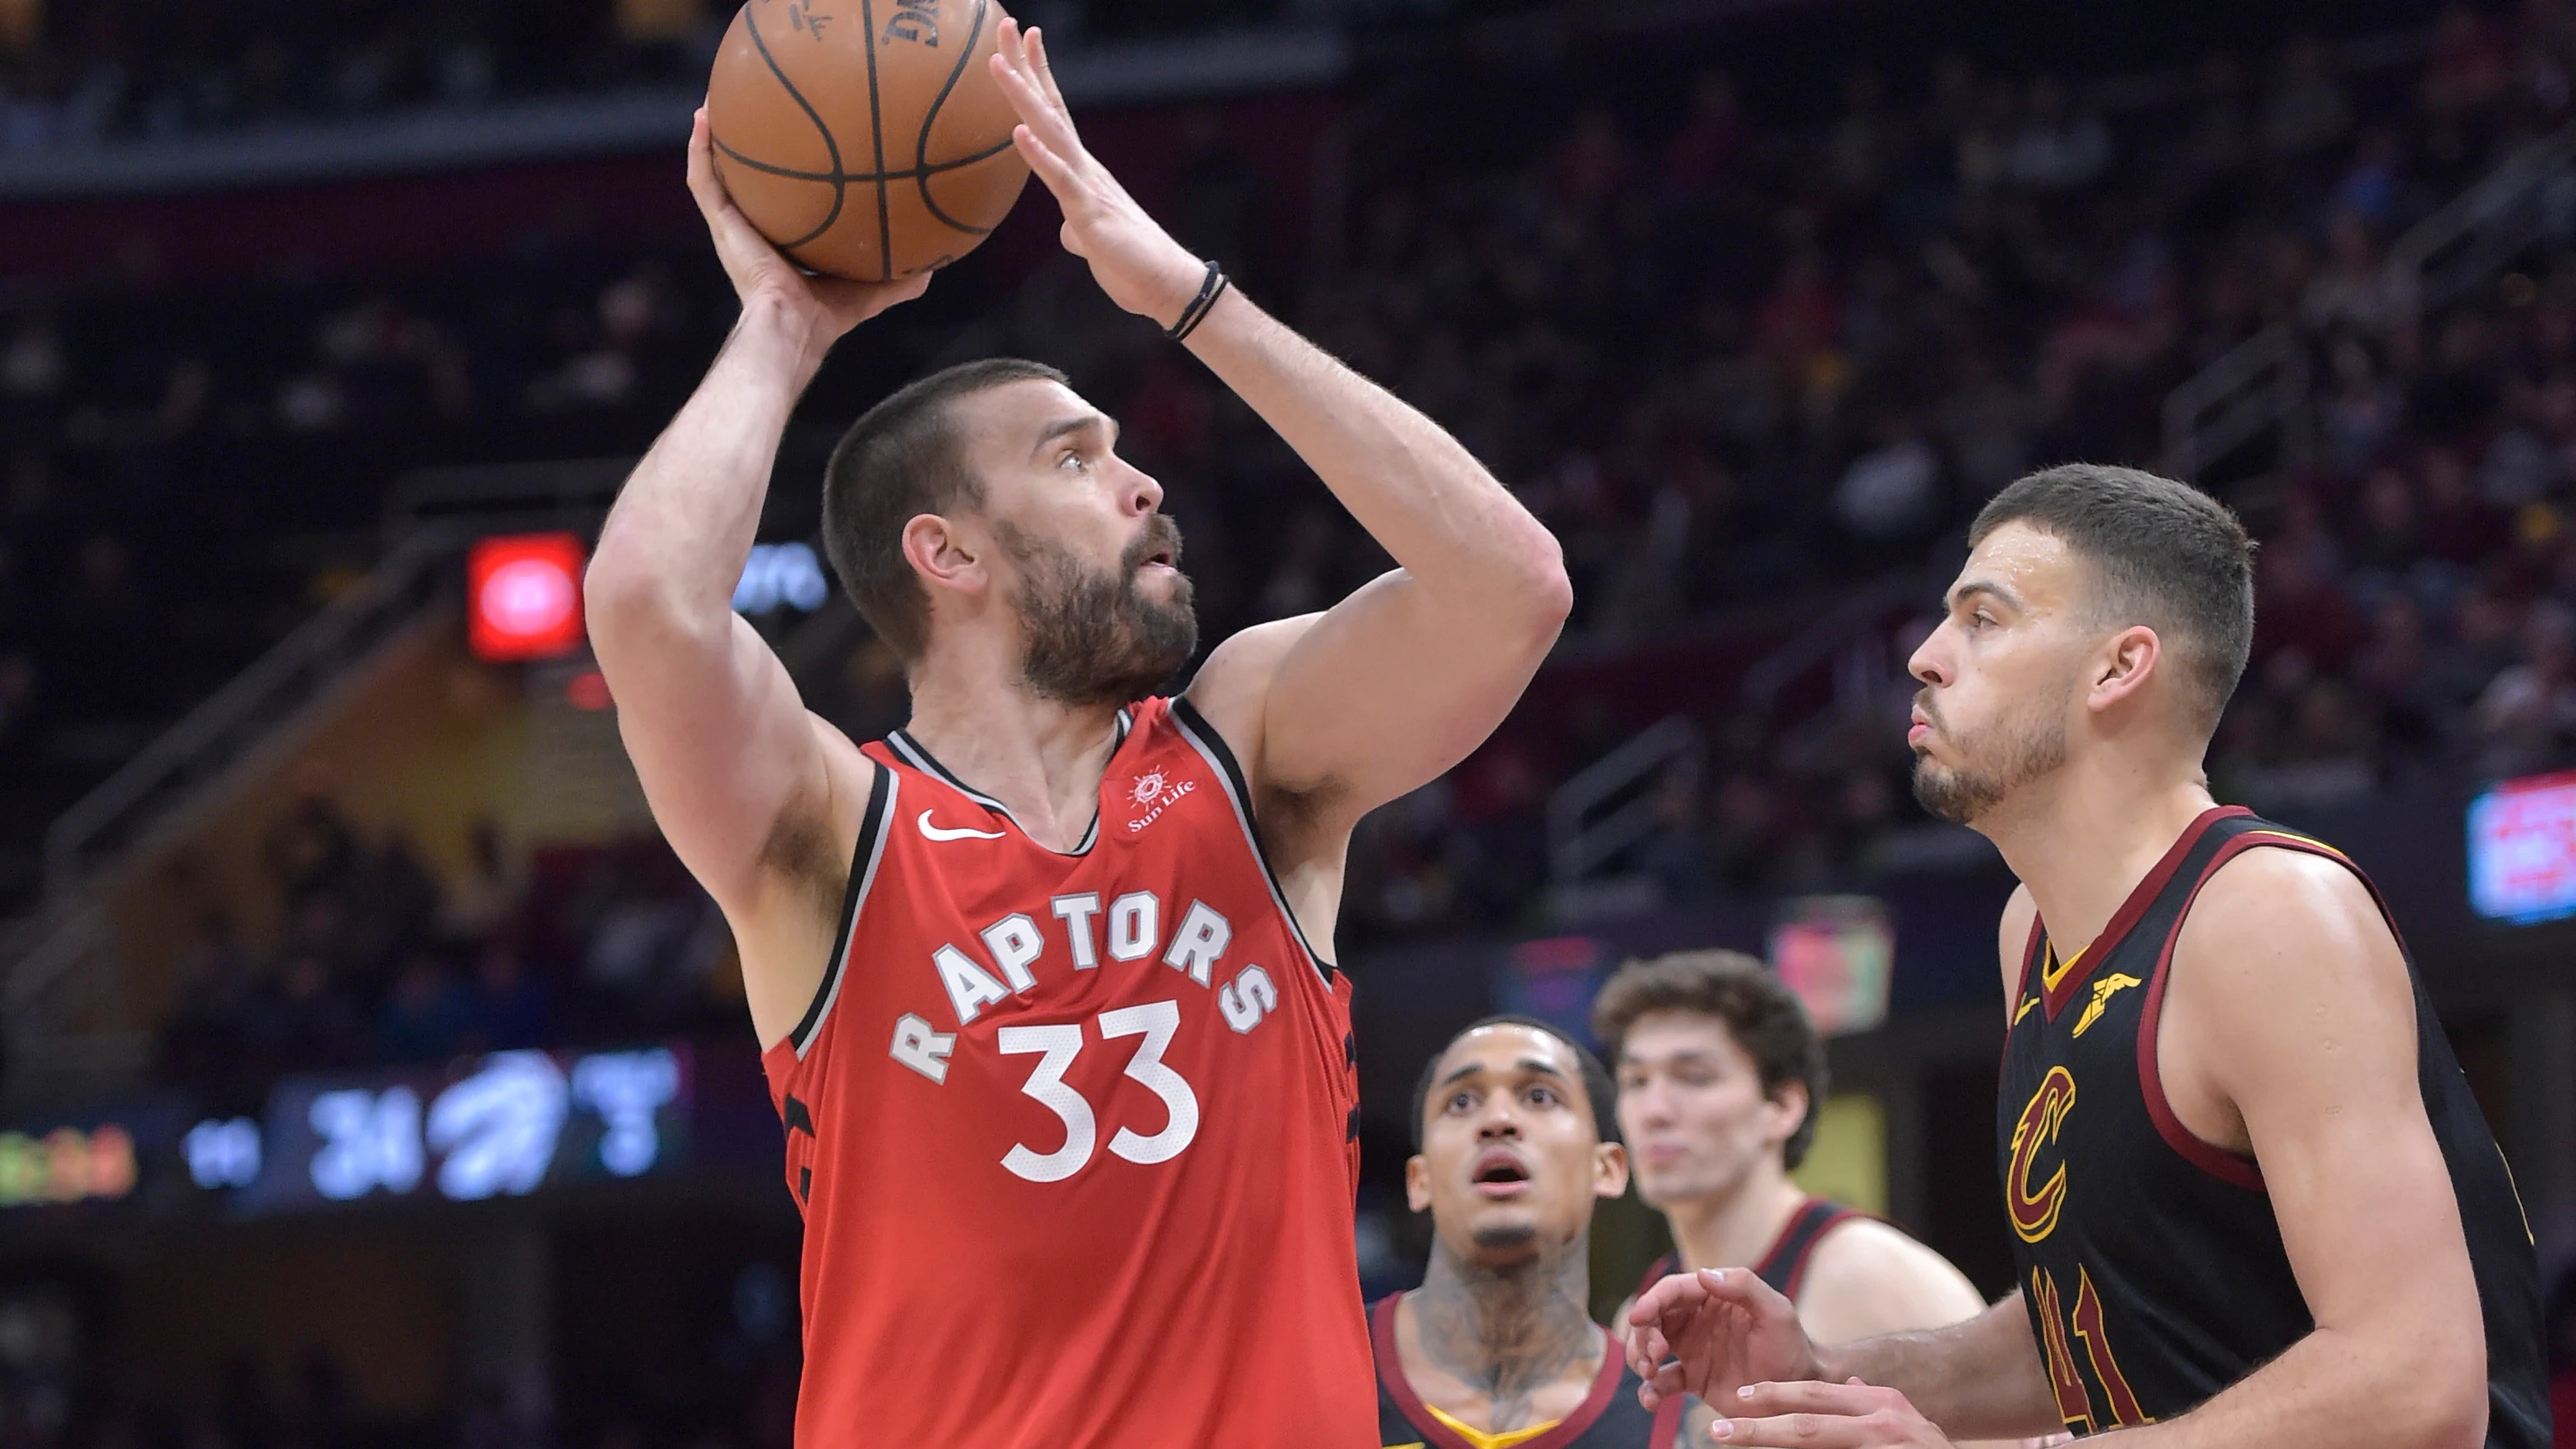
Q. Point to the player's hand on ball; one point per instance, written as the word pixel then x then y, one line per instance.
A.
pixel 1135 261
pixel 1808 1415
pixel 1722 1328
pixel 826 306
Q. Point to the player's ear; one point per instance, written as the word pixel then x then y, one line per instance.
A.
pixel 944 554
pixel 1417 1183
pixel 2126 661
pixel 1789 1108
pixel 1610 1170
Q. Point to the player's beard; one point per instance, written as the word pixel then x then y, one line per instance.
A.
pixel 2022 746
pixel 1093 637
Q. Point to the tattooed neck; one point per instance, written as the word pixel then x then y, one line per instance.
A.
pixel 1510 1331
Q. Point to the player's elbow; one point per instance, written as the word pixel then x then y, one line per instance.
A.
pixel 1546 591
pixel 2457 1409
pixel 2448 1409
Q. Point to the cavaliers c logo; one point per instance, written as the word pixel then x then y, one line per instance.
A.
pixel 2034 1210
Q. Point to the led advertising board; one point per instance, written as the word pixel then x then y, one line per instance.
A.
pixel 2522 849
pixel 500 1125
pixel 523 596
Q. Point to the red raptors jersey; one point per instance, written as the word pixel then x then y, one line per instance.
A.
pixel 1074 1134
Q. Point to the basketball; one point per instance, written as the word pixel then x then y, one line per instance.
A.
pixel 866 138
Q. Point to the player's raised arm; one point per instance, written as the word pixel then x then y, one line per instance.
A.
pixel 1401 680
pixel 730 760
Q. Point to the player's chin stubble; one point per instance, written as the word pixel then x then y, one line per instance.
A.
pixel 1093 637
pixel 2018 750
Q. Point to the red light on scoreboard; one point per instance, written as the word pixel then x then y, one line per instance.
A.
pixel 523 595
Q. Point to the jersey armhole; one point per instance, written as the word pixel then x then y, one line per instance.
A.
pixel 1203 737
pixel 864 859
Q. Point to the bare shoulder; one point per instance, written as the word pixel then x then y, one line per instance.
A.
pixel 1232 689
pixel 2281 923
pixel 1868 1277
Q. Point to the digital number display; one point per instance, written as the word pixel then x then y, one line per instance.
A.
pixel 2522 849
pixel 503 1126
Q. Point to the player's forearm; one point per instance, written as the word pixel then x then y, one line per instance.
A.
pixel 1981 1379
pixel 1417 490
pixel 2336 1387
pixel 674 546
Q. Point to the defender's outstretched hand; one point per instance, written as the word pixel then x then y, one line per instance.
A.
pixel 827 307
pixel 1135 261
pixel 1723 1328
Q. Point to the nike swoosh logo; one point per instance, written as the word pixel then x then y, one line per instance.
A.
pixel 935 833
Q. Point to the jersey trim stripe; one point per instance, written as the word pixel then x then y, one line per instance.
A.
pixel 1204 738
pixel 2210 1158
pixel 920 759
pixel 2143 896
pixel 863 873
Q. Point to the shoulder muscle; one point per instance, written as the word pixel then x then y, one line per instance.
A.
pixel 1869 1278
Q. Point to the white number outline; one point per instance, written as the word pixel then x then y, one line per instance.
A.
pixel 1157 1022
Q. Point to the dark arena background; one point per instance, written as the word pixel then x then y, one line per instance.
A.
pixel 373 1075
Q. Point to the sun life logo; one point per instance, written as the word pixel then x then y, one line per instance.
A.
pixel 1154 793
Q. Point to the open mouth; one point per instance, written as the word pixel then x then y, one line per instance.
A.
pixel 1499 1173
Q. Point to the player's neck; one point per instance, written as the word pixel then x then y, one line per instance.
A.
pixel 1508 1332
pixel 1734 1228
pixel 1040 757
pixel 2083 838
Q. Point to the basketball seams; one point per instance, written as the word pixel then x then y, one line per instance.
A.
pixel 905 85
pixel 790 173
pixel 930 118
pixel 831 147
pixel 876 137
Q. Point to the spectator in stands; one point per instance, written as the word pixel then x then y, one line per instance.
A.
pixel 426 1014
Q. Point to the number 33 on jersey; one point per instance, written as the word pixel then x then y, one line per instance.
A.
pixel 1045 1102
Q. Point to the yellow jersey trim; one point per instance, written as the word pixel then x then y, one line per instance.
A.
pixel 1482 1440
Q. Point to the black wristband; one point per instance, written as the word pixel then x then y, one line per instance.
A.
pixel 1210 288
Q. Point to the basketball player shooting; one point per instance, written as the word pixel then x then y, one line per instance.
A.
pixel 1043 978
pixel 2252 1200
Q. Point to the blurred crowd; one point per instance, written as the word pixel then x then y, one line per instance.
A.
pixel 380 961
pixel 81 72
pixel 1732 360
pixel 1740 368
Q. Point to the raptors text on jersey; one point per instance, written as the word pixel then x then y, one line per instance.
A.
pixel 1074 1133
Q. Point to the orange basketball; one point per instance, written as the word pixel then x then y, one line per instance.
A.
pixel 867 138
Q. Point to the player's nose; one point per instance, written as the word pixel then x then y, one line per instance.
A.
pixel 1928 664
pixel 1144 495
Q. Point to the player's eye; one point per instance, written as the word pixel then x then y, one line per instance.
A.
pixel 1462 1101
pixel 1073 459
pixel 1544 1096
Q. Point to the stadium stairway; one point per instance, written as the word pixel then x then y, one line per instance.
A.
pixel 377 703
pixel 2263 387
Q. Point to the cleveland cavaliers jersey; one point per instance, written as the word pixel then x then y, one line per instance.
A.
pixel 1608 1418
pixel 2150 1262
pixel 1074 1134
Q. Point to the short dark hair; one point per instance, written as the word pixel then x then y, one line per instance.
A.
pixel 1763 1015
pixel 1596 1078
pixel 2171 557
pixel 903 458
